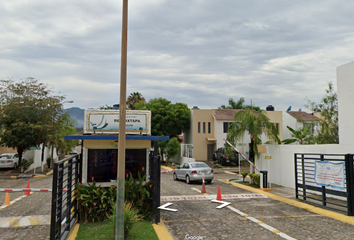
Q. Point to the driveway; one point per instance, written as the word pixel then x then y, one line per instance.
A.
pixel 249 215
pixel 29 217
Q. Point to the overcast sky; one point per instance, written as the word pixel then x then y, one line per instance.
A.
pixel 199 52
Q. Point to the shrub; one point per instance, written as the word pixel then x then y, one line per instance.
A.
pixel 26 163
pixel 244 175
pixel 139 194
pixel 255 179
pixel 217 166
pixel 131 216
pixel 95 202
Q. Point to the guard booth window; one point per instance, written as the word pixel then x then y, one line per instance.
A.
pixel 102 164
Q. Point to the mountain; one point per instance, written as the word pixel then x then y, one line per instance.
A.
pixel 77 114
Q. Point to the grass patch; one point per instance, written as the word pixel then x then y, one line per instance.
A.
pixel 96 230
pixel 246 183
pixel 217 166
pixel 105 231
pixel 142 230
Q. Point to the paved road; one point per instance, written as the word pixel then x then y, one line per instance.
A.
pixel 244 218
pixel 29 216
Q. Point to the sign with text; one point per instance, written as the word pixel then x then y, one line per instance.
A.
pixel 107 121
pixel 329 174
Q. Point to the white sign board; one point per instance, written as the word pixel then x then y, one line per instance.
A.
pixel 107 121
pixel 329 174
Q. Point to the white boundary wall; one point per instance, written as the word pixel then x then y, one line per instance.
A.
pixel 281 168
pixel 345 86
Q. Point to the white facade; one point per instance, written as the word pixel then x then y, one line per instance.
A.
pixel 281 168
pixel 292 122
pixel 345 91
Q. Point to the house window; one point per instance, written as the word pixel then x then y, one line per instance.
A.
pixel 311 126
pixel 198 127
pixel 226 126
pixel 277 127
pixel 209 127
pixel 203 127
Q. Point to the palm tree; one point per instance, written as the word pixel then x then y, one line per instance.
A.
pixel 239 105
pixel 256 123
pixel 134 98
pixel 233 104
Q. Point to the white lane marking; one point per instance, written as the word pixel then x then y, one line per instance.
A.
pixel 15 200
pixel 223 204
pixel 211 197
pixel 260 223
pixel 164 207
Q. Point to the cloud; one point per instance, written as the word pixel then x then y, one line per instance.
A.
pixel 197 52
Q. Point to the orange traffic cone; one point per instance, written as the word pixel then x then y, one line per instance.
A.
pixel 218 197
pixel 203 188
pixel 28 186
pixel 7 199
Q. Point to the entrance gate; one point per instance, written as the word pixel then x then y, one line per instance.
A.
pixel 66 175
pixel 308 190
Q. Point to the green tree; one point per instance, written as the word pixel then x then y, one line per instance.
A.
pixel 29 114
pixel 133 99
pixel 64 126
pixel 173 147
pixel 328 106
pixel 302 136
pixel 167 119
pixel 255 123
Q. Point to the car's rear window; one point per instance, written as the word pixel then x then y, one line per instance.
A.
pixel 199 165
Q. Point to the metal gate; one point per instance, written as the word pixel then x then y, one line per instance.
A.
pixel 66 175
pixel 308 190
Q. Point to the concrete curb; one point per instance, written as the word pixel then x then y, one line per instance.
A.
pixel 167 168
pixel 295 203
pixel 73 233
pixel 162 231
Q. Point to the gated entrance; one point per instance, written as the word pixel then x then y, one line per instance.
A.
pixel 66 175
pixel 327 188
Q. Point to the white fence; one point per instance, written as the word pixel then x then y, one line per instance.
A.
pixel 281 169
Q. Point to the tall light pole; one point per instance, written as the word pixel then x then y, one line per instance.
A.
pixel 119 233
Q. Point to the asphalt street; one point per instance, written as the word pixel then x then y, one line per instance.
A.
pixel 247 216
pixel 29 216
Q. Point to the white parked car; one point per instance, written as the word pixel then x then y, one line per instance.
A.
pixel 9 160
pixel 194 171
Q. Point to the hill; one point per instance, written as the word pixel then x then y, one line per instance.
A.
pixel 77 114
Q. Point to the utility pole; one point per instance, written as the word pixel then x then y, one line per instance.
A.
pixel 119 233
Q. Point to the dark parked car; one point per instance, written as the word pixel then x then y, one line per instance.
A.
pixel 224 159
